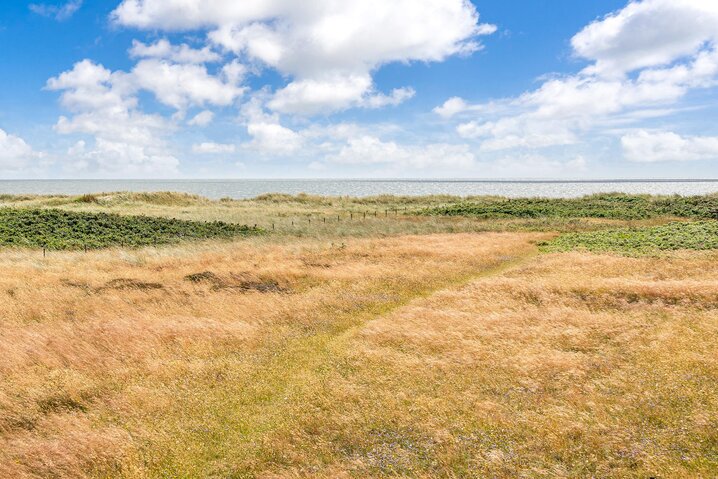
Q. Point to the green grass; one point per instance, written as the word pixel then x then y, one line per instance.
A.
pixel 60 229
pixel 612 206
pixel 698 235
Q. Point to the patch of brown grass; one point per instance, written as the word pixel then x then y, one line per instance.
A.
pixel 572 365
pixel 189 361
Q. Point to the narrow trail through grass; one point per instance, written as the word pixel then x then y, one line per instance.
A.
pixel 263 403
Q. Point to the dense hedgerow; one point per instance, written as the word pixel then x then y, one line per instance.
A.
pixel 698 235
pixel 58 229
pixel 613 206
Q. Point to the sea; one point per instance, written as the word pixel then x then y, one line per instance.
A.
pixel 241 189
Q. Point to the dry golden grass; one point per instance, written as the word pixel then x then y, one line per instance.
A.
pixel 196 361
pixel 570 365
pixel 315 353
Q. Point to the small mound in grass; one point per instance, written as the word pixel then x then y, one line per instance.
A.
pixel 697 235
pixel 66 230
pixel 240 282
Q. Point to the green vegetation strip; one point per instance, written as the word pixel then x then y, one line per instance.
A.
pixel 614 206
pixel 698 235
pixel 58 229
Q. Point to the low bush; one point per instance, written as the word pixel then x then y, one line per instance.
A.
pixel 698 235
pixel 612 206
pixel 59 229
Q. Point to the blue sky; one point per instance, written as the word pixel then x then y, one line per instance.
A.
pixel 358 88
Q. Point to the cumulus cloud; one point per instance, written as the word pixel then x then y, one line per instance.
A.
pixel 664 63
pixel 269 137
pixel 163 49
pixel 648 147
pixel 648 33
pixel 184 85
pixel 126 140
pixel 307 97
pixel 330 48
pixel 369 150
pixel 59 13
pixel 15 153
pixel 105 105
pixel 202 118
pixel 213 148
pixel 396 97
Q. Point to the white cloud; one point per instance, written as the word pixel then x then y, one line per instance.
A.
pixel 213 148
pixel 334 93
pixel 396 97
pixel 183 85
pixel 328 48
pixel 120 158
pixel 269 137
pixel 59 13
pixel 89 86
pixel 202 118
pixel 648 147
pixel 369 150
pixel 105 105
pixel 562 109
pixel 307 97
pixel 164 50
pixel 451 107
pixel 15 153
pixel 127 141
pixel 518 131
pixel 648 33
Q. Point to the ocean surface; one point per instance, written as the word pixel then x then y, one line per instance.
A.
pixel 250 188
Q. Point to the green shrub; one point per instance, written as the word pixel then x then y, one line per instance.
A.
pixel 697 235
pixel 613 206
pixel 59 229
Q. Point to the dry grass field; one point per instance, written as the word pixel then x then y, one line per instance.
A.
pixel 370 351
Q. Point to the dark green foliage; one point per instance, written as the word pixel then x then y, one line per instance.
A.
pixel 612 206
pixel 58 229
pixel 698 235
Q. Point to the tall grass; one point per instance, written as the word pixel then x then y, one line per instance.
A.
pixel 174 362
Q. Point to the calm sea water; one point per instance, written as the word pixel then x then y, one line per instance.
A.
pixel 251 188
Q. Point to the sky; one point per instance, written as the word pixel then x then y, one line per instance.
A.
pixel 495 89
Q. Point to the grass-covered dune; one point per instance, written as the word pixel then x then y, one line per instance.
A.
pixel 614 206
pixel 60 229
